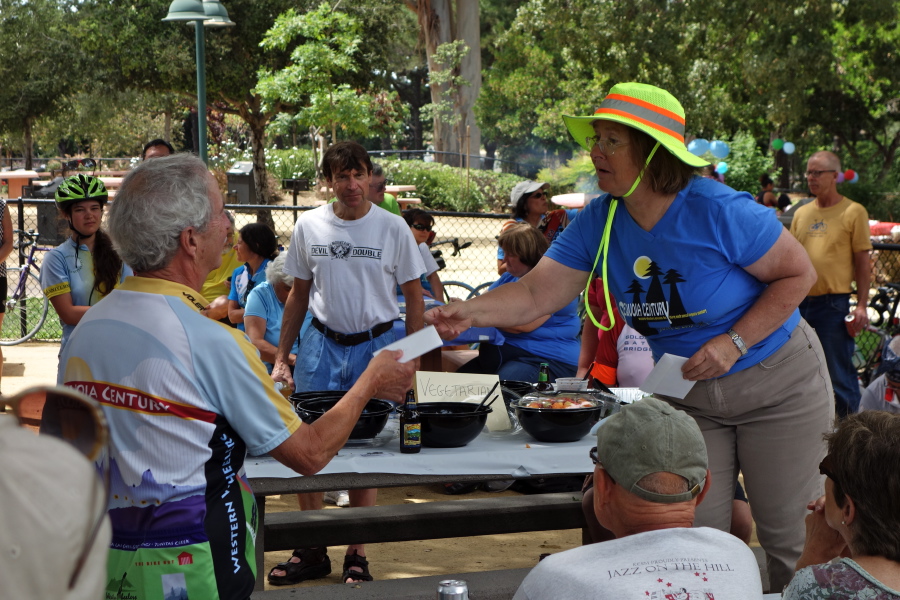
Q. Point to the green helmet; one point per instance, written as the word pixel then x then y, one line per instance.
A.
pixel 80 187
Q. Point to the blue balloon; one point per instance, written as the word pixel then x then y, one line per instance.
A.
pixel 722 168
pixel 698 146
pixel 719 149
pixel 789 147
pixel 855 178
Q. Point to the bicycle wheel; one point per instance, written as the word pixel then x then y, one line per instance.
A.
pixel 457 289
pixel 480 289
pixel 24 315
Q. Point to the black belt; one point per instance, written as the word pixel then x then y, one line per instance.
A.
pixel 352 339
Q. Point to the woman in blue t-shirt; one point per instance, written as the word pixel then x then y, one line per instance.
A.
pixel 551 339
pixel 705 274
pixel 256 246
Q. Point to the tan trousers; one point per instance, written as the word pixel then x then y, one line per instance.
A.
pixel 767 421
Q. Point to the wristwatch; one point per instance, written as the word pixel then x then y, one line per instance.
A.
pixel 738 341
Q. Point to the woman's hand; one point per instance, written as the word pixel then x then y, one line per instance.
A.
pixel 713 359
pixel 822 542
pixel 450 320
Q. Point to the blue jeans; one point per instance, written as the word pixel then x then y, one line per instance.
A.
pixel 514 364
pixel 323 364
pixel 826 314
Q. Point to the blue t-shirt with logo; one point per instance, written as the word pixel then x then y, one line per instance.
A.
pixel 683 282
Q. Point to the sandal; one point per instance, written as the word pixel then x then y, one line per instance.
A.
pixel 314 564
pixel 356 561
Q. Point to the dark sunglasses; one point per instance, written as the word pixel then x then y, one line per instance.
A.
pixel 593 454
pixel 378 188
pixel 74 418
pixel 539 194
pixel 420 227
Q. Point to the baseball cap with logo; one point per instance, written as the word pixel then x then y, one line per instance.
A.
pixel 647 437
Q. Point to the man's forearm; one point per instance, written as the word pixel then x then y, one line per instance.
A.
pixel 415 305
pixel 863 277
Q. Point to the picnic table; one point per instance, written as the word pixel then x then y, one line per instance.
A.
pixel 491 456
pixel 18 179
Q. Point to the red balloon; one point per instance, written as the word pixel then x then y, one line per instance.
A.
pixel 849 174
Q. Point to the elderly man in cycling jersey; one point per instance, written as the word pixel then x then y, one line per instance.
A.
pixel 187 397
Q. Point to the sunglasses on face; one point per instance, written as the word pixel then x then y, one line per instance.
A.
pixel 74 418
pixel 539 194
pixel 420 227
pixel 815 174
pixel 378 188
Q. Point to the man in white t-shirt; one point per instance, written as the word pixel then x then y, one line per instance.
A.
pixel 650 474
pixel 347 259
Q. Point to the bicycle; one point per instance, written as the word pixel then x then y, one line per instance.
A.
pixel 27 300
pixel 452 289
pixel 884 325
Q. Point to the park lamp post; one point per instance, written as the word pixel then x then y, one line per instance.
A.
pixel 208 13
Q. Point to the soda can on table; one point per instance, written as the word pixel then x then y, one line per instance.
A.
pixel 453 589
pixel 848 321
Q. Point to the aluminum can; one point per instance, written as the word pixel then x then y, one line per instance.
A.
pixel 453 589
pixel 848 321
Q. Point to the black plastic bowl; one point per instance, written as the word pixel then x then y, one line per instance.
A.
pixel 451 424
pixel 564 424
pixel 372 420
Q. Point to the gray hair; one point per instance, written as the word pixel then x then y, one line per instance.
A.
pixel 275 272
pixel 158 200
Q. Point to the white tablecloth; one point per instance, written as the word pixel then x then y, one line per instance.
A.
pixel 514 455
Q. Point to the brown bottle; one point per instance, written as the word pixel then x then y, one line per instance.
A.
pixel 543 384
pixel 410 426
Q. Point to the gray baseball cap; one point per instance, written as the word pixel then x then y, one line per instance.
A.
pixel 523 188
pixel 649 436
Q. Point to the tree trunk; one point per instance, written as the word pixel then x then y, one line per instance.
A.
pixel 469 19
pixel 29 144
pixel 436 20
pixel 256 120
pixel 167 127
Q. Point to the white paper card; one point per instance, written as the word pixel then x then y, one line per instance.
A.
pixel 463 387
pixel 416 344
pixel 666 378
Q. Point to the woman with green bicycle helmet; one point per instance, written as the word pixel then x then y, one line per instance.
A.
pixel 84 268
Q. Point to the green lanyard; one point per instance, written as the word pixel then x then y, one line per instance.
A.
pixel 604 249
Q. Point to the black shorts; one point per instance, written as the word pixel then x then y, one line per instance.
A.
pixel 3 294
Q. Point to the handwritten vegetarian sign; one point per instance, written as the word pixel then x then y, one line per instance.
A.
pixel 462 387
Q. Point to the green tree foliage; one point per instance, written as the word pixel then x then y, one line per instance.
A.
pixel 326 48
pixel 37 67
pixel 811 70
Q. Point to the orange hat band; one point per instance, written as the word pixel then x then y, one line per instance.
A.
pixel 658 118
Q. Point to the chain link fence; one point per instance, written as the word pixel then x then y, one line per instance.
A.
pixel 474 266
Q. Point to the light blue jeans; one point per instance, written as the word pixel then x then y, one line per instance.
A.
pixel 323 364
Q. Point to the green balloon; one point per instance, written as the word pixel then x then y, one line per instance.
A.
pixel 778 143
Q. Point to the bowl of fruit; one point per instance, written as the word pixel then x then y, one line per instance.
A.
pixel 563 416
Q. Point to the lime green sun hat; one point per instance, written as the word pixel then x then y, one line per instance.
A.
pixel 647 108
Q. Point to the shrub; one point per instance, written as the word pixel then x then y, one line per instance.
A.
pixel 442 187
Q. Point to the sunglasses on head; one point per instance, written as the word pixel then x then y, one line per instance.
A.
pixel 74 418
pixel 826 468
pixel 87 163
pixel 420 227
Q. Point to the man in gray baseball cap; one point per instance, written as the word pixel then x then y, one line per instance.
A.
pixel 650 473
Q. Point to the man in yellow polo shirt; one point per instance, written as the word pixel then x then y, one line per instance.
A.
pixel 835 232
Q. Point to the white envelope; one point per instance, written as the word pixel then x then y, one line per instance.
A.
pixel 666 378
pixel 416 344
